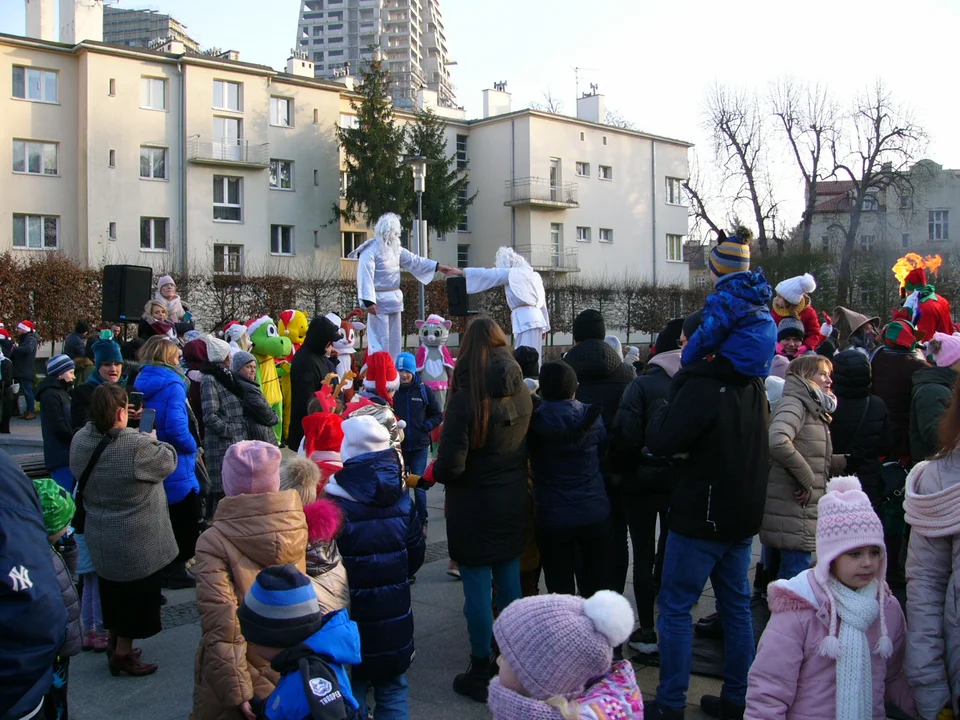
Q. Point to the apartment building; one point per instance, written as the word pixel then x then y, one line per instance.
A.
pixel 143 28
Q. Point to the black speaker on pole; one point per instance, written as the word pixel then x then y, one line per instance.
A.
pixel 126 289
pixel 459 302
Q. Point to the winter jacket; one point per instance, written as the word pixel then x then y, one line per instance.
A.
pixel 33 617
pixel 54 397
pixel 258 417
pixel 811 326
pixel 222 419
pixel 249 533
pixel 417 405
pixel 68 591
pixel 24 357
pixel 127 530
pixel 801 458
pixel 324 563
pixel 893 383
pixel 487 499
pixel 165 390
pixel 716 416
pixel 790 679
pixel 309 367
pixel 736 323
pixel 932 392
pixel 602 376
pixel 932 505
pixel 74 346
pixel 382 545
pixel 565 443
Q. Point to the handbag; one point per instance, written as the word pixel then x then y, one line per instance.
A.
pixel 203 475
pixel 894 476
pixel 80 516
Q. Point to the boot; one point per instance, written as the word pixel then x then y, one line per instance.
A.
pixel 709 627
pixel 178 577
pixel 474 682
pixel 721 707
pixel 131 665
pixel 112 647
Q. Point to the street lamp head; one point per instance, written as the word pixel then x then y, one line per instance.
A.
pixel 418 165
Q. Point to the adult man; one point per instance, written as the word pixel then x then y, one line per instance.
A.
pixel 74 346
pixel 378 282
pixel 24 357
pixel 525 295
pixel 717 507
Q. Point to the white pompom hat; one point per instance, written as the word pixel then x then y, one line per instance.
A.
pixel 793 289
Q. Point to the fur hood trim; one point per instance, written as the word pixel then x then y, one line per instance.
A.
pixel 324 520
pixel 797 593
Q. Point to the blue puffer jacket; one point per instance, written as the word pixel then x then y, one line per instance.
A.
pixel 419 408
pixel 164 389
pixel 382 545
pixel 565 442
pixel 736 323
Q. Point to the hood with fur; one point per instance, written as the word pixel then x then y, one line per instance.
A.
pixel 669 361
pixel 324 520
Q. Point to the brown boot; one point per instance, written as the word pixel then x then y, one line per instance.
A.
pixel 131 665
pixel 29 416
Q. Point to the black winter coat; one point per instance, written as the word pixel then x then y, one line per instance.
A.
pixel 54 397
pixel 309 367
pixel 24 357
pixel 893 383
pixel 718 418
pixel 487 497
pixel 73 346
pixel 932 392
pixel 602 376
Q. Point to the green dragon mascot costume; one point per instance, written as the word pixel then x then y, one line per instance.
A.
pixel 268 344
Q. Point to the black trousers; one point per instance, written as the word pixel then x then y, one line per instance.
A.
pixel 559 549
pixel 642 511
pixel 183 518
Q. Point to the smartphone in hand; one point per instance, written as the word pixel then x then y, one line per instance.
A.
pixel 136 400
pixel 148 419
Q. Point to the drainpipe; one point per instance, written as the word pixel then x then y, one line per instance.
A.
pixel 181 143
pixel 513 179
pixel 653 205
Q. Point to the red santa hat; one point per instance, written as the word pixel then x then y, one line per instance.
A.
pixel 253 325
pixel 916 279
pixel 286 316
pixel 4 332
pixel 381 375
pixel 322 432
pixel 25 326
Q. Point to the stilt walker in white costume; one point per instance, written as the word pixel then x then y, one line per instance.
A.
pixel 378 282
pixel 525 296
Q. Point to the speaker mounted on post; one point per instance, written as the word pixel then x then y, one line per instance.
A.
pixel 126 289
pixel 460 303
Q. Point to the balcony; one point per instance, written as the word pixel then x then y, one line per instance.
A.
pixel 238 153
pixel 549 258
pixel 541 193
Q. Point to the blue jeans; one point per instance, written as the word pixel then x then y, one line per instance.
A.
pixel 390 697
pixel 792 563
pixel 416 462
pixel 26 387
pixel 686 566
pixel 477 593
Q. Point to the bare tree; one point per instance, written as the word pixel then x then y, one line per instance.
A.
pixel 550 104
pixel 698 193
pixel 616 119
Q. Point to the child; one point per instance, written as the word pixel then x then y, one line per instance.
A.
pixel 58 509
pixel 831 622
pixel 793 301
pixel 529 361
pixel 380 378
pixel 53 392
pixel 258 417
pixel 283 623
pixel 735 322
pixel 382 545
pixel 556 659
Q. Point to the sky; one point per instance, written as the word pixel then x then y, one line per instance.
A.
pixel 653 61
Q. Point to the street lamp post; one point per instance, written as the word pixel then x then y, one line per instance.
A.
pixel 418 164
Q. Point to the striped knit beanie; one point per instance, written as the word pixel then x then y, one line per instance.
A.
pixel 732 253
pixel 280 610
pixel 900 332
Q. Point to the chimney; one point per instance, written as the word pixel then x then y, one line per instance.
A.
pixel 299 64
pixel 348 81
pixel 81 20
pixel 174 47
pixel 40 21
pixel 426 99
pixel 496 101
pixel 590 108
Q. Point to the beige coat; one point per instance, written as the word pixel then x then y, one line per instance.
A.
pixel 801 458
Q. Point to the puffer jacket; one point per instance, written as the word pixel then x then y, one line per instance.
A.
pixel 893 383
pixel 801 458
pixel 324 564
pixel 382 545
pixel 71 643
pixel 791 680
pixel 54 397
pixel 249 533
pixel 932 391
pixel 932 505
pixel 601 375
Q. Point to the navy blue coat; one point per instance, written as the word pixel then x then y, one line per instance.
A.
pixel 565 441
pixel 419 408
pixel 382 545
pixel 54 397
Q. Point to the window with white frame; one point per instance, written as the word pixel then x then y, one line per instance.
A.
pixel 350 241
pixel 35 84
pixel 36 232
pixel 281 174
pixel 34 158
pixel 870 203
pixel 461 152
pixel 463 256
pixel 112 230
pixel 281 239
pixel 674 191
pixel 153 93
pixel 906 202
pixel 701 281
pixel 583 234
pixel 228 259
pixel 606 234
pixel 153 233
pixel 227 95
pixel 463 225
pixel 867 242
pixel 227 200
pixel 281 111
pixel 112 87
pixel 606 172
pixel 675 248
pixel 938 225
pixel 583 169
pixel 344 183
pixel 153 163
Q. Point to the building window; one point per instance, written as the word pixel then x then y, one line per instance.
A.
pixel 34 84
pixel 582 137
pixel 606 172
pixel 583 169
pixel 350 241
pixel 556 242
pixel 281 111
pixel 36 232
pixel 604 139
pixel 153 93
pixel 700 281
pixel 226 199
pixel 228 259
pixel 870 203
pixel 281 174
pixel 463 225
pixel 463 256
pixel 675 248
pixel 461 151
pixel 867 242
pixel 153 233
pixel 34 158
pixel 112 158
pixel 606 235
pixel 825 239
pixel 905 240
pixel 112 87
pixel 153 163
pixel 226 95
pixel 906 202
pixel 316 178
pixel 316 116
pixel 674 191
pixel 112 231
pixel 938 225
pixel 344 183
pixel 583 234
pixel 281 239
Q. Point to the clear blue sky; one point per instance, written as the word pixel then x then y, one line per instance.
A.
pixel 652 59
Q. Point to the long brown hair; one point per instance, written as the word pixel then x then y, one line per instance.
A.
pixel 482 336
pixel 949 434
pixel 104 403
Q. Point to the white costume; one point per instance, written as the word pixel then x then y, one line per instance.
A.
pixel 378 279
pixel 525 296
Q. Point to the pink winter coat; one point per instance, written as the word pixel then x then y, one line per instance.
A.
pixel 790 679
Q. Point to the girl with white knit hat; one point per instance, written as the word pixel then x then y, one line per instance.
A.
pixel 832 623
pixel 793 301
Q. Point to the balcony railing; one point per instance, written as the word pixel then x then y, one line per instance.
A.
pixel 541 192
pixel 550 258
pixel 227 151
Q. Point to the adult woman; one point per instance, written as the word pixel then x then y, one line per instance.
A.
pixel 164 389
pixel 801 461
pixel 482 460
pixel 108 368
pixel 221 398
pixel 127 530
pixel 155 321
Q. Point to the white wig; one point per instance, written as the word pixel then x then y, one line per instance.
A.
pixel 507 257
pixel 388 229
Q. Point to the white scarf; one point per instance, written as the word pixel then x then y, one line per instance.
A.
pixel 858 609
pixel 175 311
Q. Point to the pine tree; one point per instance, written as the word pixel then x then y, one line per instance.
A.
pixel 442 208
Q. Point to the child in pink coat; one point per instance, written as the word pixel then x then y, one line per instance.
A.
pixel 831 622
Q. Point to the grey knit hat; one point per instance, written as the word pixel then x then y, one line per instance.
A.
pixel 239 359
pixel 790 327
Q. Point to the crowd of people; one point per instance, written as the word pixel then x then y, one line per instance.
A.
pixel 833 438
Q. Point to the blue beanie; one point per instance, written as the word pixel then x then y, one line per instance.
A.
pixel 406 361
pixel 280 610
pixel 106 351
pixel 58 365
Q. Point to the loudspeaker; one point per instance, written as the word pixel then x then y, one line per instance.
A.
pixel 126 289
pixel 459 302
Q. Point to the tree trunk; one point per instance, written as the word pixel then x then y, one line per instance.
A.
pixel 844 275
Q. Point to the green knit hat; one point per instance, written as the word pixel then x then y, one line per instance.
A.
pixel 58 506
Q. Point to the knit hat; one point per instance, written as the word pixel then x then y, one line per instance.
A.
pixel 58 365
pixel 195 354
pixel 589 325
pixel 529 361
pixel 280 610
pixel 691 323
pixel 669 338
pixel 106 351
pixel 900 332
pixel 944 349
pixel 533 632
pixel 322 432
pixel 558 381
pixel 732 254
pixel 790 327
pixel 239 359
pixel 217 349
pixel 845 521
pixel 58 506
pixel 793 289
pixel 164 280
pixel 381 375
pixel 406 361
pixel 362 434
pixel 916 280
pixel 25 326
pixel 251 467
